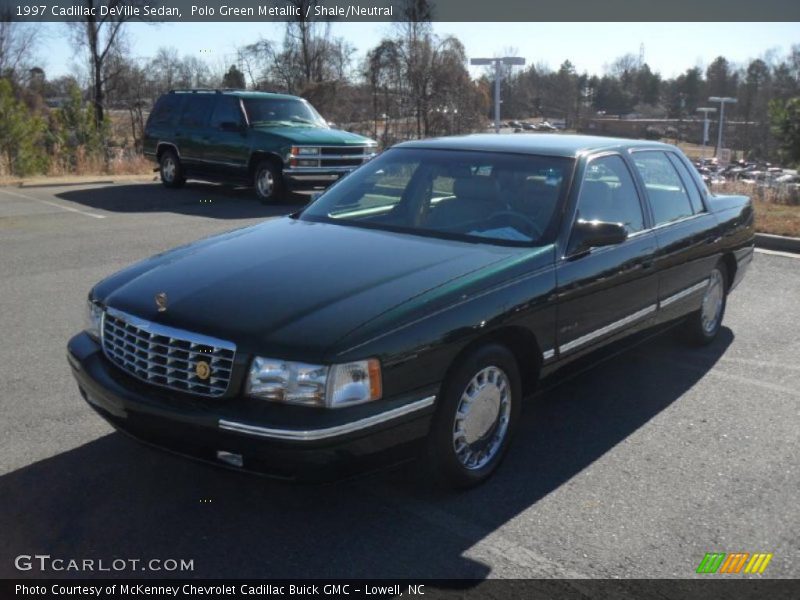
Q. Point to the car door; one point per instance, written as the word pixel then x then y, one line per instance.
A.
pixel 228 148
pixel 685 230
pixel 607 291
pixel 192 129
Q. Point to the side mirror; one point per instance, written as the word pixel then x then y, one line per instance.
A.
pixel 593 234
pixel 230 126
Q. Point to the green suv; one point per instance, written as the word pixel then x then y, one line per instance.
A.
pixel 270 141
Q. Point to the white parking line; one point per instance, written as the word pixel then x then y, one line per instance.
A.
pixel 55 204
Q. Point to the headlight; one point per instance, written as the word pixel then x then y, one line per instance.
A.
pixel 305 151
pixel 315 385
pixel 93 319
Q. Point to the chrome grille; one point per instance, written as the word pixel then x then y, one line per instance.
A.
pixel 165 356
pixel 337 156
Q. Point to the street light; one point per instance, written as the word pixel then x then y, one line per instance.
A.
pixel 705 110
pixel 722 102
pixel 497 62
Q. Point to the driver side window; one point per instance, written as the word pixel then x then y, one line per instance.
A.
pixel 609 194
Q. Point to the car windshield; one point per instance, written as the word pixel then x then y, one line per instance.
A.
pixel 282 111
pixel 509 199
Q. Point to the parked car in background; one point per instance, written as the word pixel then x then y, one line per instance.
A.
pixel 413 306
pixel 273 142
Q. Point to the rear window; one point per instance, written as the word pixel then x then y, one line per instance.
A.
pixel 667 193
pixel 165 110
pixel 197 110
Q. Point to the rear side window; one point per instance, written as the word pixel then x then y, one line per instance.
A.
pixel 227 110
pixel 165 110
pixel 609 194
pixel 197 110
pixel 688 180
pixel 668 196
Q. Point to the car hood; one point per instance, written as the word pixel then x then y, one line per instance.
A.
pixel 290 287
pixel 314 135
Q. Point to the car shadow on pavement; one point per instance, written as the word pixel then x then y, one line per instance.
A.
pixel 114 498
pixel 213 201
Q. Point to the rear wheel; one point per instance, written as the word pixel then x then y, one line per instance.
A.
pixel 171 170
pixel 475 420
pixel 268 182
pixel 703 325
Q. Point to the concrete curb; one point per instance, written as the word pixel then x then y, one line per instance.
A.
pixel 70 181
pixel 778 242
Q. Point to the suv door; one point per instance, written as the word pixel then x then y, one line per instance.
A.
pixel 228 148
pixel 603 292
pixel 192 132
pixel 685 230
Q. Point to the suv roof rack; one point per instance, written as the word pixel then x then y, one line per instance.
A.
pixel 216 91
pixel 196 91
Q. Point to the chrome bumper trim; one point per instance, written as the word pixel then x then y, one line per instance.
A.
pixel 683 293
pixel 318 170
pixel 327 432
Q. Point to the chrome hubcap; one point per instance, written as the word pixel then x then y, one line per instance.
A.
pixel 265 183
pixel 712 302
pixel 168 169
pixel 481 420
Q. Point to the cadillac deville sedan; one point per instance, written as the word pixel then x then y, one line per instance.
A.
pixel 412 307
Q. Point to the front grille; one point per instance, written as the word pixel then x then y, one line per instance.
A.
pixel 165 356
pixel 336 156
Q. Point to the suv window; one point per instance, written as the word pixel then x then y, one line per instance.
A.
pixel 689 182
pixel 197 109
pixel 227 110
pixel 609 194
pixel 668 196
pixel 166 109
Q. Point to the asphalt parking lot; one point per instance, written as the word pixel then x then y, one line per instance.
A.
pixel 635 468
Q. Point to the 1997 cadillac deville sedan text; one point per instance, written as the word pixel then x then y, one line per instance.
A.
pixel 414 304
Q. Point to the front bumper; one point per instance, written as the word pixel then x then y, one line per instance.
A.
pixel 278 440
pixel 303 176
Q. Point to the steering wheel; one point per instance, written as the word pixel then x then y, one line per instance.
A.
pixel 531 225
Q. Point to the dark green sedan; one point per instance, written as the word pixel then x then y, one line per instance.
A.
pixel 412 307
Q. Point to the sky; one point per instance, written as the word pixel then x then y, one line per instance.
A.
pixel 669 48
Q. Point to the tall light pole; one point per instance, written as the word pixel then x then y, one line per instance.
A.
pixel 498 74
pixel 722 102
pixel 705 110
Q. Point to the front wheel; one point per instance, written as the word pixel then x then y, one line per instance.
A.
pixel 268 182
pixel 171 170
pixel 473 425
pixel 703 325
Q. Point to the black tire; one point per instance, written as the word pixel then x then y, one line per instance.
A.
pixel 171 170
pixel 268 182
pixel 447 465
pixel 700 329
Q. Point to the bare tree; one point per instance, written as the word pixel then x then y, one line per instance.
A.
pixel 18 44
pixel 98 37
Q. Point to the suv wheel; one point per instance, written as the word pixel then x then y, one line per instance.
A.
pixel 171 170
pixel 473 425
pixel 268 182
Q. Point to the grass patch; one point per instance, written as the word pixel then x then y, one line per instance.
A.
pixel 777 210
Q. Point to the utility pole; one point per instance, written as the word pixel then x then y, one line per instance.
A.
pixel 705 110
pixel 722 102
pixel 498 74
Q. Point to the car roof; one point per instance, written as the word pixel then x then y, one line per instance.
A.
pixel 552 144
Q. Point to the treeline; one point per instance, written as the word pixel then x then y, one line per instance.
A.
pixel 414 83
pixel 763 88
